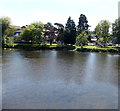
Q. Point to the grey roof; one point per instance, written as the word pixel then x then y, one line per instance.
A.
pixel 18 30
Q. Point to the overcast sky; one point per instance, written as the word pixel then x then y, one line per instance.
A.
pixel 24 12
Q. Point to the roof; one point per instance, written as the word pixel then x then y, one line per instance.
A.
pixel 94 39
pixel 18 30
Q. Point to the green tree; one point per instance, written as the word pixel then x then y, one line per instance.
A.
pixel 116 31
pixel 82 24
pixel 102 31
pixel 105 25
pixel 60 32
pixel 50 32
pixel 82 39
pixel 28 33
pixel 38 31
pixel 10 31
pixel 34 33
pixel 98 32
pixel 5 22
pixel 70 32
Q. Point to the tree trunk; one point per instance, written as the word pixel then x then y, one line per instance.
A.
pixel 81 46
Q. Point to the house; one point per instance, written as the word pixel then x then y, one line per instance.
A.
pixel 17 33
pixel 19 29
pixel 93 40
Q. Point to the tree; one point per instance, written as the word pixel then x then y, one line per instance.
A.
pixel 82 39
pixel 34 33
pixel 102 31
pixel 10 31
pixel 98 32
pixel 27 33
pixel 50 32
pixel 116 31
pixel 5 22
pixel 82 24
pixel 105 25
pixel 60 32
pixel 38 32
pixel 70 32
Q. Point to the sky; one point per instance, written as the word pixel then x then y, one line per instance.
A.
pixel 24 12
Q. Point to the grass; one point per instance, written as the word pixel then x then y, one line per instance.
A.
pixel 97 49
pixel 66 47
pixel 52 44
pixel 90 47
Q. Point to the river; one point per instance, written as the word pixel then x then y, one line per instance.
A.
pixel 59 80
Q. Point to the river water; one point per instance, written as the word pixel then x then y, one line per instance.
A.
pixel 59 80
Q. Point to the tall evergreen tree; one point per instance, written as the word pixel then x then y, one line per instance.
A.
pixel 70 32
pixel 82 24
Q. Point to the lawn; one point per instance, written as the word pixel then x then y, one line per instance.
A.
pixel 68 47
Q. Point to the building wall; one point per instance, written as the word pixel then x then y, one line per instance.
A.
pixel 17 33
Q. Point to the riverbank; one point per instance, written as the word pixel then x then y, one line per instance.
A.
pixel 65 47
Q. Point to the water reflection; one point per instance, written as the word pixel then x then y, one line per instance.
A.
pixel 102 68
pixel 59 79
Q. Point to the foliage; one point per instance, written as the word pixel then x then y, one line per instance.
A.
pixel 50 32
pixel 116 31
pixel 70 32
pixel 105 25
pixel 27 34
pixel 98 32
pixel 37 32
pixel 33 33
pixel 5 22
pixel 10 31
pixel 82 24
pixel 7 31
pixel 102 31
pixel 60 32
pixel 82 39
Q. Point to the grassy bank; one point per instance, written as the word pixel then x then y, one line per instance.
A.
pixel 98 49
pixel 64 47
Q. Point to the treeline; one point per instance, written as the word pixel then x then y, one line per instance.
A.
pixel 71 33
